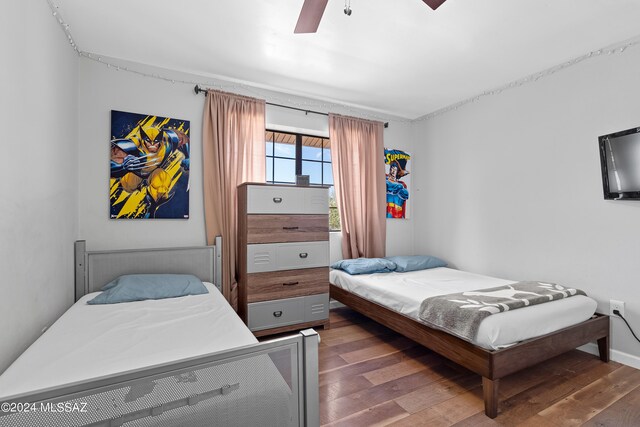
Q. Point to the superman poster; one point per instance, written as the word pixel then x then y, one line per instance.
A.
pixel 397 165
pixel 149 166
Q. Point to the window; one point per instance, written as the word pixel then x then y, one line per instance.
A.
pixel 291 154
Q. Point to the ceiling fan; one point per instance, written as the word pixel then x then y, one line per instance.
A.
pixel 312 11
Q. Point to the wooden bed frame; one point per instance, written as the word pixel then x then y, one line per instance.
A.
pixel 492 365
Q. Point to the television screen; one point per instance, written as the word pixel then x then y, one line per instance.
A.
pixel 620 162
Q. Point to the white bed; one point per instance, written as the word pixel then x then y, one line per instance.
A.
pixel 91 341
pixel 187 361
pixel 95 341
pixel 404 292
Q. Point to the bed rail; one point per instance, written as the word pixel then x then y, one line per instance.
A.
pixel 216 387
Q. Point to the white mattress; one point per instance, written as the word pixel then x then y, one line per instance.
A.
pixel 404 292
pixel 91 341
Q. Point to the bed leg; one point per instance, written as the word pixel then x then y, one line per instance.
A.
pixel 603 348
pixel 310 340
pixel 490 391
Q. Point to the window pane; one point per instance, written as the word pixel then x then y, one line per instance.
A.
pixel 312 148
pixel 311 153
pixel 334 215
pixel 332 197
pixel 284 150
pixel 334 219
pixel 326 150
pixel 326 154
pixel 314 170
pixel 269 149
pixel 269 169
pixel 285 170
pixel 328 174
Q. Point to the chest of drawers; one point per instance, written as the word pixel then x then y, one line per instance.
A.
pixel 283 257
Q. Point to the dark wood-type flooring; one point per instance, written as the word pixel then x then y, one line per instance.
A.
pixel 371 376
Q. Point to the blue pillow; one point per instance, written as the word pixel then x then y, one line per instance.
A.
pixel 365 265
pixel 139 287
pixel 416 262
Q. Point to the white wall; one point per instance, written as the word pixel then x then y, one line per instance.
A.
pixel 103 89
pixel 400 236
pixel 38 178
pixel 510 186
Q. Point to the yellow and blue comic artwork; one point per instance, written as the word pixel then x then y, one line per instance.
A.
pixel 149 166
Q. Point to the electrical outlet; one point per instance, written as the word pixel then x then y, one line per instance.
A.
pixel 616 305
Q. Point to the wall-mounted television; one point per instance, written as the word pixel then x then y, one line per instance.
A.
pixel 620 162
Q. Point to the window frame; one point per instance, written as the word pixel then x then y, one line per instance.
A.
pixel 298 161
pixel 298 157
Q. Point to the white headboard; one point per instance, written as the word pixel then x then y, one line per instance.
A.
pixel 95 269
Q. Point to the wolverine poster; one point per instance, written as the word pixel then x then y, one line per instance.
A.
pixel 397 164
pixel 149 166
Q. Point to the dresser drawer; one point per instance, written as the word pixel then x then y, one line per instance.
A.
pixel 270 314
pixel 286 256
pixel 316 307
pixel 265 199
pixel 287 228
pixel 287 284
pixel 283 312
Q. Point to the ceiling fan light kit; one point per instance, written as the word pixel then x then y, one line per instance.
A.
pixel 312 11
pixel 347 8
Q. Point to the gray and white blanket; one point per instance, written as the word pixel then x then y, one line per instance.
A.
pixel 460 314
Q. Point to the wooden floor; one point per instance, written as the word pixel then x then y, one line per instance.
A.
pixel 371 376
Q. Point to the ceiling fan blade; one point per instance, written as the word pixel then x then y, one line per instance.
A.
pixel 434 4
pixel 310 16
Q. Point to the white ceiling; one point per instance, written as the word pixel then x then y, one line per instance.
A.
pixel 393 56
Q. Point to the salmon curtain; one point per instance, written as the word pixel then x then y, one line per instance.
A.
pixel 357 152
pixel 233 148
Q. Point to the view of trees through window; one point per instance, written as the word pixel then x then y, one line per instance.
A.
pixel 291 154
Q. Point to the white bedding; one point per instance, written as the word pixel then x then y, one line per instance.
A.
pixel 90 341
pixel 404 292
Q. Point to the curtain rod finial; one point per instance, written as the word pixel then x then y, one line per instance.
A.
pixel 386 124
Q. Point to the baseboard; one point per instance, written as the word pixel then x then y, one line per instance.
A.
pixel 335 304
pixel 616 355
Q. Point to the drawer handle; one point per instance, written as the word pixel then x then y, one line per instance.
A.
pixel 290 283
pixel 277 313
pixel 303 255
pixel 277 200
pixel 290 228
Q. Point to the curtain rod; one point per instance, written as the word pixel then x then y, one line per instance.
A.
pixel 197 89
